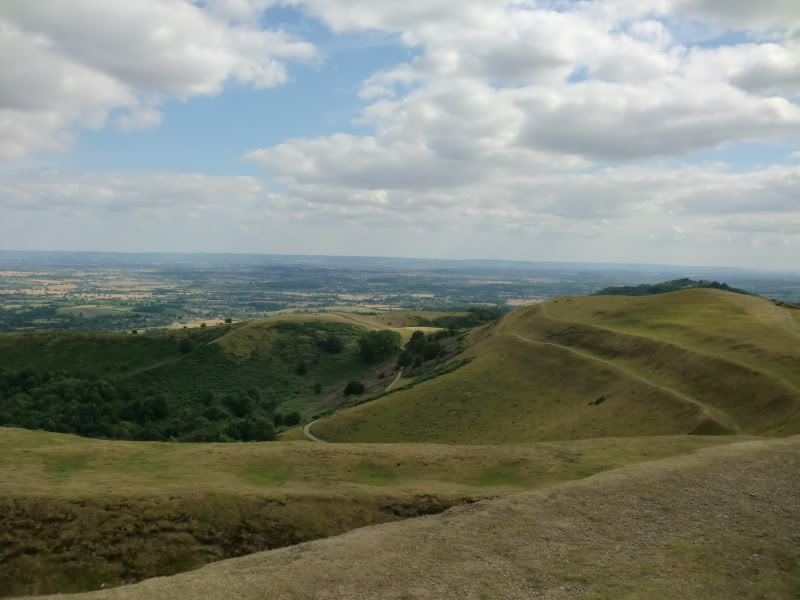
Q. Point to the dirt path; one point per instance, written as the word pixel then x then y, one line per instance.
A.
pixel 709 411
pixel 395 380
pixel 309 435
pixel 787 320
pixel 307 427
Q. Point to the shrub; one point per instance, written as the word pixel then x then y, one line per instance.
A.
pixel 292 419
pixel 317 388
pixel 354 388
pixel 332 344
pixel 301 368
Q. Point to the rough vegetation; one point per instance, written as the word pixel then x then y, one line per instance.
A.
pixel 223 383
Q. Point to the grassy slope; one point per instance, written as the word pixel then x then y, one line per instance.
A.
pixel 723 523
pixel 698 361
pixel 76 513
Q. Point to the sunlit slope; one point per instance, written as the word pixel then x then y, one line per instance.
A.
pixel 554 372
pixel 77 513
pixel 720 524
pixel 749 329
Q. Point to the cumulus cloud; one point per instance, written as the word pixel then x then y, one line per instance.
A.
pixel 511 112
pixel 59 72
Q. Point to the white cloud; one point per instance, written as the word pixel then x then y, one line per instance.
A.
pixel 66 67
pixel 603 214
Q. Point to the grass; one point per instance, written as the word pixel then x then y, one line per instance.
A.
pixel 719 524
pixel 94 310
pixel 76 513
pixel 697 361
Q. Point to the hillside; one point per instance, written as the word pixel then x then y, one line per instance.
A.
pixel 194 384
pixel 76 513
pixel 720 524
pixel 675 285
pixel 695 361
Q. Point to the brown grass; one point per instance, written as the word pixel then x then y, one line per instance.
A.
pixel 76 513
pixel 721 524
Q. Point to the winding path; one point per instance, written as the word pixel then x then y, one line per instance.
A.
pixel 307 427
pixel 311 436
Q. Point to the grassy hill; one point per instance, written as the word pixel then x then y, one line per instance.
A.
pixel 190 384
pixel 695 361
pixel 77 513
pixel 719 524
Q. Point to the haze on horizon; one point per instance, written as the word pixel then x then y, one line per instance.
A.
pixel 632 131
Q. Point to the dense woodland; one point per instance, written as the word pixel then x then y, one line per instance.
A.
pixel 665 287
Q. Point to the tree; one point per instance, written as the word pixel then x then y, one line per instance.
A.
pixel 202 325
pixel 292 419
pixel 431 350
pixel 228 320
pixel 405 359
pixel 354 388
pixel 378 345
pixel 332 344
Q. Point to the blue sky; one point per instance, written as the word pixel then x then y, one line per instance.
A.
pixel 606 130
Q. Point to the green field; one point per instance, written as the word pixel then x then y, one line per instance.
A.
pixel 697 361
pixel 93 310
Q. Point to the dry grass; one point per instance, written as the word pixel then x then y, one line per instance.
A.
pixel 722 524
pixel 78 513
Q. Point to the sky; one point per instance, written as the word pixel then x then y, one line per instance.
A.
pixel 652 131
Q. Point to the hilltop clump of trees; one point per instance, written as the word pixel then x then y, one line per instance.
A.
pixel 665 287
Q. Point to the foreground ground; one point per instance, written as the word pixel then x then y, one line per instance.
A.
pixel 722 523
pixel 78 514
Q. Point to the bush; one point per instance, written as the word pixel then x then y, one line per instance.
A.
pixel 185 345
pixel 292 419
pixel 332 344
pixel 431 350
pixel 354 388
pixel 378 345
pixel 301 368
pixel 318 388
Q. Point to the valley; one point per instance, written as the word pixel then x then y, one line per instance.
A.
pixel 557 408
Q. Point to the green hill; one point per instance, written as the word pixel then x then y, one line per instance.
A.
pixel 695 361
pixel 203 384
pixel 719 524
pixel 665 287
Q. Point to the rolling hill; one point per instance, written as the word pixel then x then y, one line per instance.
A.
pixel 77 514
pixel 695 361
pixel 189 385
pixel 719 524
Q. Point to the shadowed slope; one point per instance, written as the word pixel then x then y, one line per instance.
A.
pixel 719 524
